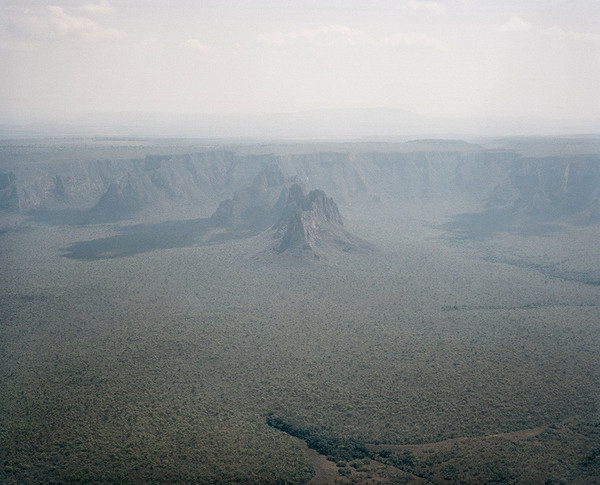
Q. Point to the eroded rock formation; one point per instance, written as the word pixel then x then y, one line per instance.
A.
pixel 312 224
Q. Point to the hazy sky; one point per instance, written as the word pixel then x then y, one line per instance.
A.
pixel 537 58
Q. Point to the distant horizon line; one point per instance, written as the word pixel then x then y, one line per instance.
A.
pixel 61 118
pixel 320 123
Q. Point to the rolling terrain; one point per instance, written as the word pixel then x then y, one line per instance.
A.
pixel 157 322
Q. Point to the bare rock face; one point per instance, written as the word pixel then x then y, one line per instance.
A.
pixel 61 191
pixel 301 225
pixel 255 205
pixel 312 224
pixel 124 197
pixel 9 199
pixel 551 189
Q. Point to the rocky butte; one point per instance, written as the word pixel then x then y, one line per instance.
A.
pixel 311 224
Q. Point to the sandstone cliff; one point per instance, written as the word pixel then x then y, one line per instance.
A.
pixel 257 204
pixel 312 224
pixel 459 175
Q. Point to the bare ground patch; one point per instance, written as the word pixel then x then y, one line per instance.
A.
pixel 439 445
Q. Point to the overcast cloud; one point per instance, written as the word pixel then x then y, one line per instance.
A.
pixel 444 58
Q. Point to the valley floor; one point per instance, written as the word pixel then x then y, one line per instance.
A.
pixel 161 362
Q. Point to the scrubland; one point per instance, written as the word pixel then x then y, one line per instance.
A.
pixel 433 358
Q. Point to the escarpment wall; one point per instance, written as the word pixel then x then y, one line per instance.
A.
pixel 549 187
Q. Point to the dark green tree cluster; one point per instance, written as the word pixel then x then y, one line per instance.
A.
pixel 336 449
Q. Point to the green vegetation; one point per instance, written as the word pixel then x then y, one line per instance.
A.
pixel 334 448
pixel 184 363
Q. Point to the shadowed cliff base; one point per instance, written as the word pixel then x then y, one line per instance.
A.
pixel 141 238
pixel 484 225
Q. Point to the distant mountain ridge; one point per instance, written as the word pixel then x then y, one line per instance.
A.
pixel 333 124
pixel 317 124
